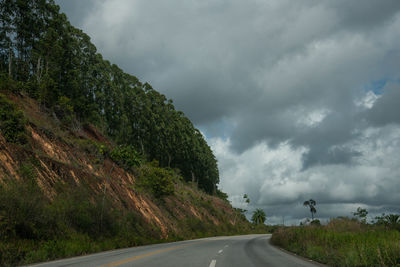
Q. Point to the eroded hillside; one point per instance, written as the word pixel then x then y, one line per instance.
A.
pixel 61 159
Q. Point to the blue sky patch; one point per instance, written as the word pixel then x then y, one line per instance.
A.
pixel 377 86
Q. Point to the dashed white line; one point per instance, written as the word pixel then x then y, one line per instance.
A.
pixel 219 252
pixel 226 246
pixel 213 262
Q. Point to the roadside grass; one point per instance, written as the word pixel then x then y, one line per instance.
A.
pixel 343 242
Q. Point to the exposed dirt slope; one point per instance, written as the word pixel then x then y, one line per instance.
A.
pixel 68 158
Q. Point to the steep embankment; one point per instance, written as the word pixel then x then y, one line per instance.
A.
pixel 63 194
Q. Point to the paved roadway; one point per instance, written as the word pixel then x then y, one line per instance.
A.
pixel 227 251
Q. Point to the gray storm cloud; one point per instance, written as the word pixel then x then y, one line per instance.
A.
pixel 283 90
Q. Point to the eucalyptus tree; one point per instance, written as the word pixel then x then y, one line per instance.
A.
pixel 58 65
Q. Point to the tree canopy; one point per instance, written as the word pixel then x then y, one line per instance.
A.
pixel 258 217
pixel 58 65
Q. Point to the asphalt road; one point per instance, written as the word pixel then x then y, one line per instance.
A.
pixel 230 251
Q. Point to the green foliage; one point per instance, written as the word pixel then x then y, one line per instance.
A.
pixel 361 214
pixel 91 147
pixel 27 171
pixel 315 222
pixel 258 217
pixel 32 228
pixel 8 84
pixel 391 221
pixel 58 65
pixel 65 110
pixel 247 199
pixel 21 208
pixel 343 242
pixel 12 122
pixel 159 181
pixel 222 195
pixel 126 156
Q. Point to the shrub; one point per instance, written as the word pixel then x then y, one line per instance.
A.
pixel 12 122
pixel 222 195
pixel 64 110
pixel 315 222
pixel 159 181
pixel 22 208
pixel 126 156
pixel 7 84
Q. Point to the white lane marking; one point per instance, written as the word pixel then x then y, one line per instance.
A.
pixel 213 262
pixel 226 246
pixel 219 252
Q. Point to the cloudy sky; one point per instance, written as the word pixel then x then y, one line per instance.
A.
pixel 298 99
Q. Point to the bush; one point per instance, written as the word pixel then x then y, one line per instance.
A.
pixel 22 208
pixel 315 222
pixel 126 156
pixel 12 122
pixel 7 84
pixel 160 182
pixel 64 110
pixel 222 195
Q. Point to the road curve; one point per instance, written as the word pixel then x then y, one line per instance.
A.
pixel 227 251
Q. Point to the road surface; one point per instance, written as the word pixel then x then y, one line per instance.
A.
pixel 227 251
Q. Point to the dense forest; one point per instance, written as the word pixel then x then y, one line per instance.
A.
pixel 44 56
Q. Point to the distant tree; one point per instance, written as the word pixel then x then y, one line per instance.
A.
pixel 361 214
pixel 247 199
pixel 258 217
pixel 380 220
pixel 311 203
pixel 392 219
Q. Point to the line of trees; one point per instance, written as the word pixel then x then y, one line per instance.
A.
pixel 57 64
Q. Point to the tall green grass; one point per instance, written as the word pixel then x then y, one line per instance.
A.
pixel 343 242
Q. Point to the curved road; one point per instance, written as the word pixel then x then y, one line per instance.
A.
pixel 227 251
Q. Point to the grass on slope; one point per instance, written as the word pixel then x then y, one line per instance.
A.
pixel 75 222
pixel 343 242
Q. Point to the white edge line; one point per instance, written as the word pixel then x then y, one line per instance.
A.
pixel 213 262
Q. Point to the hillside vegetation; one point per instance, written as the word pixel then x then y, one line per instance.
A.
pixel 91 158
pixel 66 192
pixel 44 56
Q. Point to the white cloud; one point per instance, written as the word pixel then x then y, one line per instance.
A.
pixel 367 101
pixel 273 177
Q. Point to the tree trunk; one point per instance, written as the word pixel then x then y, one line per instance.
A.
pixel 38 70
pixel 9 62
pixel 194 182
pixel 142 146
pixel 169 160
